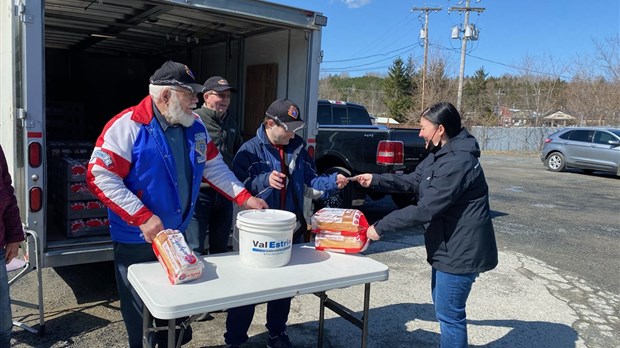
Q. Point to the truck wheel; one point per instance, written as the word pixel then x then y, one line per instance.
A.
pixel 555 162
pixel 341 199
pixel 403 199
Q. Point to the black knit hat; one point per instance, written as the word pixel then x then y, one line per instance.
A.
pixel 176 74
pixel 284 111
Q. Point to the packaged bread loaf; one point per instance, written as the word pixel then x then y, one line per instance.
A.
pixel 339 243
pixel 340 230
pixel 346 221
pixel 175 256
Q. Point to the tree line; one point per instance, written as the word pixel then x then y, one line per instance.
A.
pixel 591 94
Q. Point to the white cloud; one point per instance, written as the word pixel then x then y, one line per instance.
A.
pixel 355 3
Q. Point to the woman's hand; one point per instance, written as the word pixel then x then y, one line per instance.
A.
pixel 364 179
pixel 372 234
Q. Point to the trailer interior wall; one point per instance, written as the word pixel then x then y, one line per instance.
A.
pixel 289 50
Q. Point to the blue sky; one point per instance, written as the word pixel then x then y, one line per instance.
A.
pixel 547 34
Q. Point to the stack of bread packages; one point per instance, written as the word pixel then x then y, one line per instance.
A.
pixel 340 230
pixel 175 256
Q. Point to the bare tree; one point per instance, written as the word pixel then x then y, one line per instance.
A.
pixel 540 85
pixel 593 92
pixel 608 57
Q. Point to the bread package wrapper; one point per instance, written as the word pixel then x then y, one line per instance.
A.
pixel 340 230
pixel 338 243
pixel 346 221
pixel 175 256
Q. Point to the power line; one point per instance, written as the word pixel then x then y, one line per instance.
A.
pixel 380 38
pixel 374 55
pixel 503 64
pixel 381 60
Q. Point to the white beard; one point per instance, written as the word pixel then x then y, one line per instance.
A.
pixel 176 115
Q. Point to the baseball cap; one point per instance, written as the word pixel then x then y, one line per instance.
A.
pixel 175 74
pixel 218 84
pixel 286 114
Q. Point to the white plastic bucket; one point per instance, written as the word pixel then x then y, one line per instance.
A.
pixel 265 237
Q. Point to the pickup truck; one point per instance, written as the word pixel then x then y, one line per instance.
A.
pixel 347 142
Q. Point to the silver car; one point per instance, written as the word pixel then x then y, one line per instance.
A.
pixel 586 148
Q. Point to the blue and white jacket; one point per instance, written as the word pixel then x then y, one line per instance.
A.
pixel 257 158
pixel 132 171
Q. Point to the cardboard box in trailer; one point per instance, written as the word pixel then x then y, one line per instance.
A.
pixel 68 66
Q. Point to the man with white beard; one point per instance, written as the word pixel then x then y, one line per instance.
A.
pixel 146 167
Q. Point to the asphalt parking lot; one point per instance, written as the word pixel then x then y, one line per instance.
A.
pixel 556 285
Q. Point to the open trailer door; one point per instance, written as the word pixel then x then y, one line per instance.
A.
pixel 21 113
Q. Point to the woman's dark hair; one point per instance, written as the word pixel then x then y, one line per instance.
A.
pixel 445 114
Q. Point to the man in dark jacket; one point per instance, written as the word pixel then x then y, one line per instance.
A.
pixel 453 207
pixel 11 234
pixel 213 213
pixel 275 166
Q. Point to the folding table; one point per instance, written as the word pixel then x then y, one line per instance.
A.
pixel 227 283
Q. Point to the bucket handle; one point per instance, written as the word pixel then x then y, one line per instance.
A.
pixel 235 235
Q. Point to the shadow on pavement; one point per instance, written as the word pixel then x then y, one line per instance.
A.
pixel 90 282
pixel 59 330
pixel 406 325
pixel 530 334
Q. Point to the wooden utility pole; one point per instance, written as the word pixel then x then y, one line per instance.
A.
pixel 467 9
pixel 424 37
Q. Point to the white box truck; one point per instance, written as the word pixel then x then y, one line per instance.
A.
pixel 68 66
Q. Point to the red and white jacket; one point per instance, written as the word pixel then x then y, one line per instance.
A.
pixel 132 172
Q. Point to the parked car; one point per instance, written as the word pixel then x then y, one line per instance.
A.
pixel 586 148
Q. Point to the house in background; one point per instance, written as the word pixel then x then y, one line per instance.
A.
pixel 557 118
pixel 516 117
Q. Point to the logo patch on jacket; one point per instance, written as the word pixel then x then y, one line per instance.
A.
pixel 104 157
pixel 201 147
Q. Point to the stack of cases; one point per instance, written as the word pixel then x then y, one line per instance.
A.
pixel 79 212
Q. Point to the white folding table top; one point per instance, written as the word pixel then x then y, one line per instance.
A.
pixel 227 283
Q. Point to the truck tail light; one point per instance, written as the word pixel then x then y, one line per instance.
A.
pixel 36 199
pixel 390 152
pixel 311 151
pixel 34 154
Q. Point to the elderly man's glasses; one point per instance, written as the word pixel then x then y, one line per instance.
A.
pixel 220 95
pixel 184 92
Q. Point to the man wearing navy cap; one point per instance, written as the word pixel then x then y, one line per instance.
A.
pixel 146 167
pixel 213 213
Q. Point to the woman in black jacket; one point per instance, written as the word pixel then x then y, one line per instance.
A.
pixel 453 207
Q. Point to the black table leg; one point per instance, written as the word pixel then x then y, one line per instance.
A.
pixel 322 297
pixel 146 317
pixel 345 313
pixel 365 315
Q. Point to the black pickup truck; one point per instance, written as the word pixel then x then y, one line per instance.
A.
pixel 349 143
